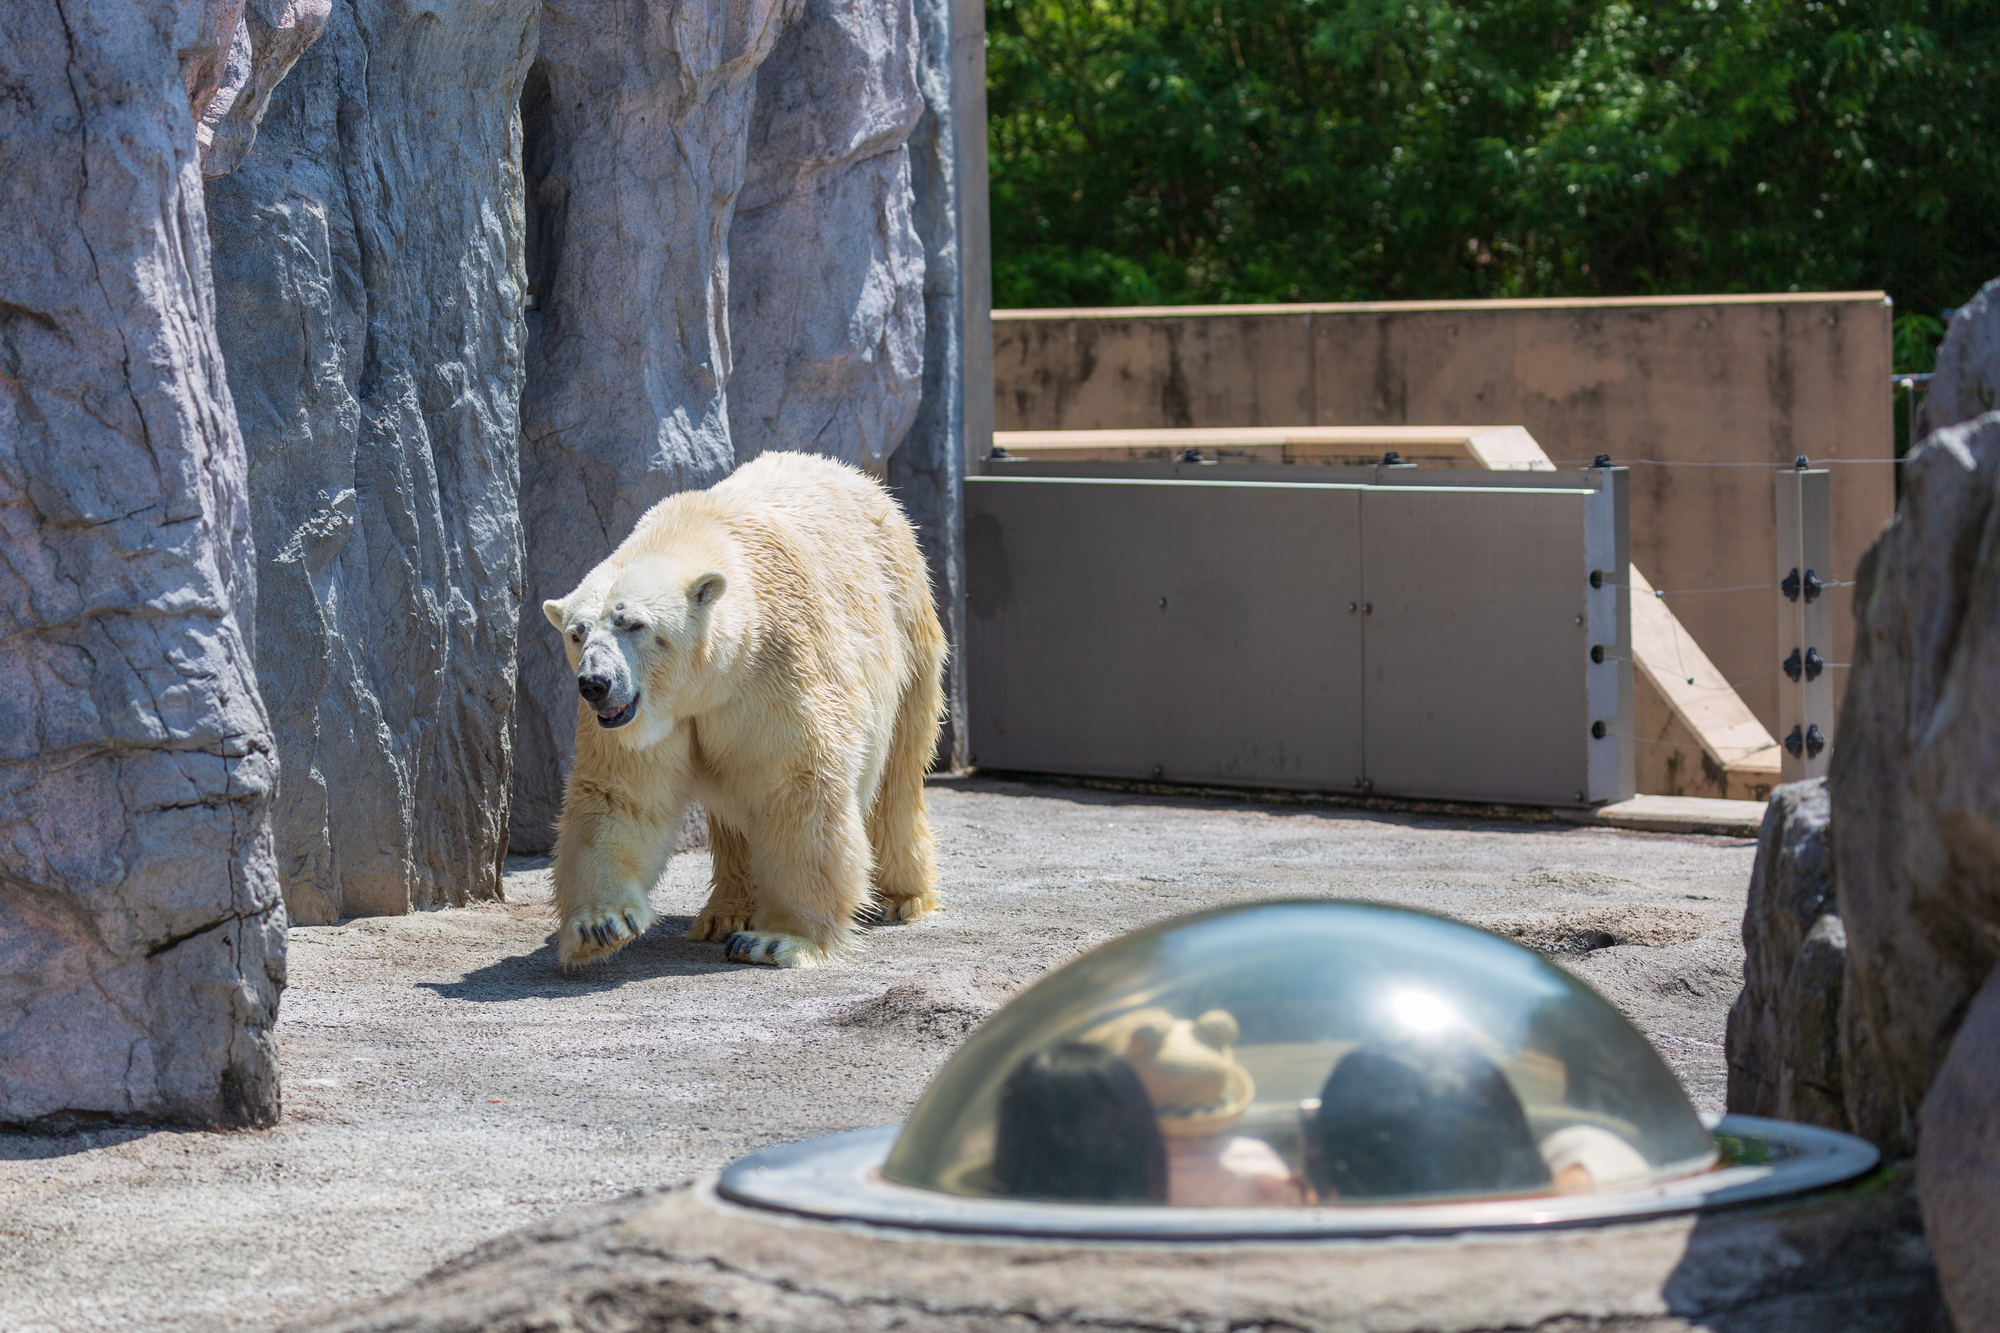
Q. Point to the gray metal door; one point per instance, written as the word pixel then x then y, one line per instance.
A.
pixel 1477 645
pixel 1185 631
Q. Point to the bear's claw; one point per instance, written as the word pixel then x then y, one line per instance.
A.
pixel 600 931
pixel 771 950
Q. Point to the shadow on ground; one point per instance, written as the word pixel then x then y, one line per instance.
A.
pixel 663 951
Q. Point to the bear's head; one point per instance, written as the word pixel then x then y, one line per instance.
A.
pixel 642 639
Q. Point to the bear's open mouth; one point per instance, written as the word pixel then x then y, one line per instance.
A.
pixel 620 716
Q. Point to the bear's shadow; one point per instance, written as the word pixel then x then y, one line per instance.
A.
pixel 663 951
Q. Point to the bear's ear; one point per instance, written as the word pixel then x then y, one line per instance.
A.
pixel 1216 1028
pixel 554 611
pixel 706 589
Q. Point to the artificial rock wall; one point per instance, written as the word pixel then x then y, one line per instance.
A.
pixel 1872 996
pixel 368 273
pixel 141 927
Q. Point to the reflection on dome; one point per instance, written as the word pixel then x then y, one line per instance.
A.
pixel 1295 1053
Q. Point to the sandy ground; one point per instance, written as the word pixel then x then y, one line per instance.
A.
pixel 444 1082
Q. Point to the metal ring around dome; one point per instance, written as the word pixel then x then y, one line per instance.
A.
pixel 837 1178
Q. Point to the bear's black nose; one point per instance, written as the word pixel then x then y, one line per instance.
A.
pixel 593 689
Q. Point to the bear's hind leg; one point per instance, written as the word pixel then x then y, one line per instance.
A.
pixel 732 899
pixel 899 827
pixel 811 871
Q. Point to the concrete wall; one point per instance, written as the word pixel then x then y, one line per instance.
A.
pixel 1726 379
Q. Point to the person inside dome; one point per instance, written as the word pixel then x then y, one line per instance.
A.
pixel 1420 1118
pixel 1076 1125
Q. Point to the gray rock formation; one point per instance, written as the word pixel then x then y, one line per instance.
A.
pixel 1916 797
pixel 826 271
pixel 1784 1029
pixel 368 274
pixel 1916 776
pixel 1966 381
pixel 1958 1165
pixel 635 121
pixel 270 36
pixel 955 414
pixel 141 928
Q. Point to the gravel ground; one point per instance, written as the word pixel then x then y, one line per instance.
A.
pixel 445 1083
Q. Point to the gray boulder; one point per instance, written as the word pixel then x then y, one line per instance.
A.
pixel 826 270
pixel 1916 777
pixel 1958 1165
pixel 1966 380
pixel 369 279
pixel 634 124
pixel 141 927
pixel 1784 1029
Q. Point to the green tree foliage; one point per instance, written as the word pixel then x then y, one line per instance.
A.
pixel 1181 151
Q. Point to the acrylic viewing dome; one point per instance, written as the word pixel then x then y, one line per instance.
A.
pixel 1302 1052
pixel 1296 1069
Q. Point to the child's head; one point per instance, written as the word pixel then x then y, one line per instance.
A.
pixel 1417 1118
pixel 1076 1124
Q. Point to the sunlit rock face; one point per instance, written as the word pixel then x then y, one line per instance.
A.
pixel 826 292
pixel 368 271
pixel 141 929
pixel 1916 818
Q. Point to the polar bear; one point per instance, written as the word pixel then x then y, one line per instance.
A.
pixel 768 648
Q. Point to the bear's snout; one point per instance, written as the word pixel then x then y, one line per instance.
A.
pixel 594 689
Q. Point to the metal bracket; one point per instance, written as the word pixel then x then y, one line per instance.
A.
pixel 1813 585
pixel 1795 743
pixel 1814 664
pixel 1793 665
pixel 1815 742
pixel 1790 587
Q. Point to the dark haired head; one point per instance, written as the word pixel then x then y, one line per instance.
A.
pixel 1422 1118
pixel 1076 1125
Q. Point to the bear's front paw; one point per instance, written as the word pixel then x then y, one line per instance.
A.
pixel 768 948
pixel 598 932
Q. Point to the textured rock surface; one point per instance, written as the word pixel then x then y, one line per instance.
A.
pixel 1784 1029
pixel 826 271
pixel 368 275
pixel 635 120
pixel 1958 1165
pixel 1916 776
pixel 141 930
pixel 1966 383
pixel 270 36
pixel 948 182
pixel 675 1260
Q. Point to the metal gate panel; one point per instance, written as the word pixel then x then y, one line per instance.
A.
pixel 1477 643
pixel 1181 630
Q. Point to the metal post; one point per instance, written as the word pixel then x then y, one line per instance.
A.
pixel 1608 538
pixel 1805 623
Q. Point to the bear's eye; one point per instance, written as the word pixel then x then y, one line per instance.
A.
pixel 636 627
pixel 576 636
